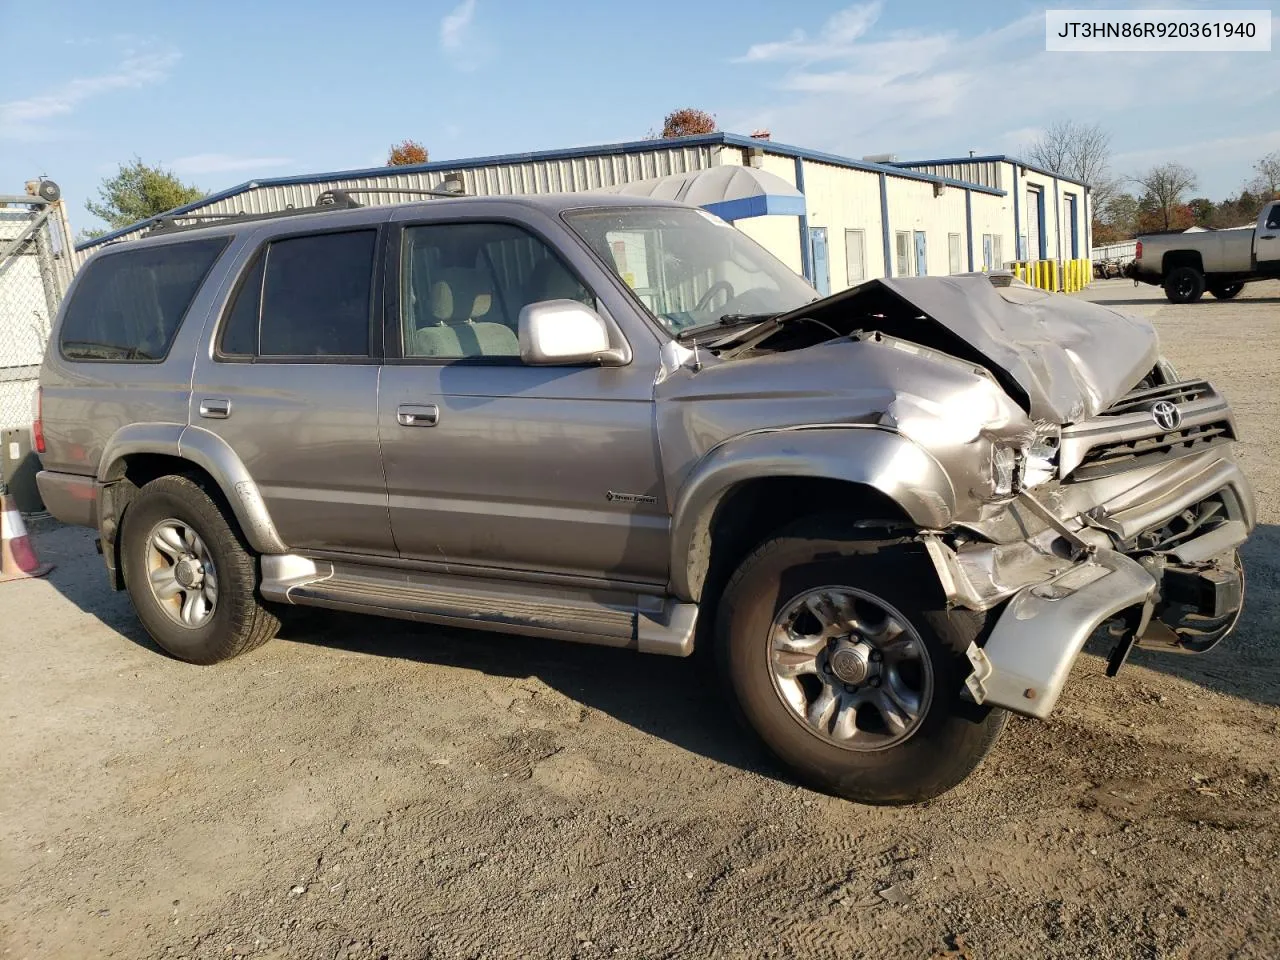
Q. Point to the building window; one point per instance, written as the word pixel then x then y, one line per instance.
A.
pixel 904 258
pixel 855 256
pixel 953 253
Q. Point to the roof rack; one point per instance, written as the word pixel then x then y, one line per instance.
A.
pixel 338 199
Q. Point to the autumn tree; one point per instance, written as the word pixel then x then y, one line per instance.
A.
pixel 406 153
pixel 1115 218
pixel 138 191
pixel 686 122
pixel 1161 206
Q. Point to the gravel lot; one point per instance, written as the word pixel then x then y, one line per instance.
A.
pixel 364 788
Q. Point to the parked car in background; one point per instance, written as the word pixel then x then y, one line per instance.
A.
pixel 1220 261
pixel 891 515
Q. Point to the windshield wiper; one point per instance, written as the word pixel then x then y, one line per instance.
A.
pixel 727 321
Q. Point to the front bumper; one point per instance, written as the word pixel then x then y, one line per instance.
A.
pixel 1182 599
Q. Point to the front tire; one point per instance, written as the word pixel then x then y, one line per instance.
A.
pixel 193 582
pixel 1184 285
pixel 841 656
pixel 1226 291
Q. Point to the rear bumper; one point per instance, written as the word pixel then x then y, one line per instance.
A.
pixel 70 497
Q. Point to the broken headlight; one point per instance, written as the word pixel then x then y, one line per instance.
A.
pixel 1004 469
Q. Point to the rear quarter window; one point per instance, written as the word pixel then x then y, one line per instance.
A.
pixel 128 306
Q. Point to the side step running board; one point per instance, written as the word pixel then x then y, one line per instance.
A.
pixel 615 619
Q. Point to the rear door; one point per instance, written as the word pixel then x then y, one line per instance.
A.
pixel 289 379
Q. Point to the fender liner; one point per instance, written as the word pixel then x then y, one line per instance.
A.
pixel 870 455
pixel 211 453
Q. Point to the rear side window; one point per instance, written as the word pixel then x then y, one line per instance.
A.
pixel 304 297
pixel 129 305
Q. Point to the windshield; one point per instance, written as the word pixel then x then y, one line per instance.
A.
pixel 688 267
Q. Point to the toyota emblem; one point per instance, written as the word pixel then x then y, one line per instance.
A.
pixel 1166 415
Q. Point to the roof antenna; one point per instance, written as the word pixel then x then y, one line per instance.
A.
pixel 697 360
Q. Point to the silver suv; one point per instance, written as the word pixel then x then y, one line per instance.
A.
pixel 890 515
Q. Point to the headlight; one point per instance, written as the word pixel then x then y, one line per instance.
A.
pixel 1042 455
pixel 1018 464
pixel 1004 469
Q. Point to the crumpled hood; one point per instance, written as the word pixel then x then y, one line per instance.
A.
pixel 1069 358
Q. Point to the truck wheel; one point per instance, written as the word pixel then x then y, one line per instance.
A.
pixel 192 581
pixel 1226 291
pixel 841 656
pixel 1184 285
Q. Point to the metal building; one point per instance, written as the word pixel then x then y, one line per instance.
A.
pixel 836 220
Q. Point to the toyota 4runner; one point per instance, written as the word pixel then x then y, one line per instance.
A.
pixel 892 515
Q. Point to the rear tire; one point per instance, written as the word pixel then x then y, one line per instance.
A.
pixel 856 748
pixel 1184 285
pixel 192 580
pixel 1226 291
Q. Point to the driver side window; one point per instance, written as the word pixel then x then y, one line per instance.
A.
pixel 463 286
pixel 1273 218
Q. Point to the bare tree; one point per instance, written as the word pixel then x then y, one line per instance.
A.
pixel 1266 182
pixel 1162 191
pixel 1081 151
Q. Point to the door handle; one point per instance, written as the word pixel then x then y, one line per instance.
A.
pixel 215 408
pixel 1267 236
pixel 418 414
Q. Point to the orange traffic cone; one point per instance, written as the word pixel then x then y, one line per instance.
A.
pixel 18 560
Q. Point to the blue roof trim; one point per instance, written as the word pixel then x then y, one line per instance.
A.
pixel 569 153
pixel 763 205
pixel 817 156
pixel 994 158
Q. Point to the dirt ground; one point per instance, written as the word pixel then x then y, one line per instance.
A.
pixel 363 788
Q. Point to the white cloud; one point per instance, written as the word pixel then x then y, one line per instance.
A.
pixel 224 163
pixel 456 23
pixel 853 88
pixel 29 118
pixel 835 37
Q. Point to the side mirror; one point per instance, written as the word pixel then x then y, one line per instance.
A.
pixel 564 332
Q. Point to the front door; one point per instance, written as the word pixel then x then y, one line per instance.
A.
pixel 922 259
pixel 1073 225
pixel 1035 224
pixel 820 260
pixel 1267 245
pixel 494 466
pixel 292 387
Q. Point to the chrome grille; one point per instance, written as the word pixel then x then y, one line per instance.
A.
pixel 1125 436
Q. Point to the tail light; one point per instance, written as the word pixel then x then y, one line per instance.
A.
pixel 1137 254
pixel 37 425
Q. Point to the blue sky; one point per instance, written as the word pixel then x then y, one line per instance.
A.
pixel 224 92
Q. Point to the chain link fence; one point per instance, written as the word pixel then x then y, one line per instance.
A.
pixel 37 259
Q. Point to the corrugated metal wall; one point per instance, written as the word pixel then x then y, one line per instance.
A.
pixel 539 176
pixel 985 173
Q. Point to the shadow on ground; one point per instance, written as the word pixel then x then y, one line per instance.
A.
pixel 674 699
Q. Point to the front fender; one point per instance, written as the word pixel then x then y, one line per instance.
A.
pixel 207 451
pixel 864 454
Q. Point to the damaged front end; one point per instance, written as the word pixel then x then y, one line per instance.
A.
pixel 1137 532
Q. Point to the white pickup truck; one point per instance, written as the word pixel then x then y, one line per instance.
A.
pixel 1220 261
